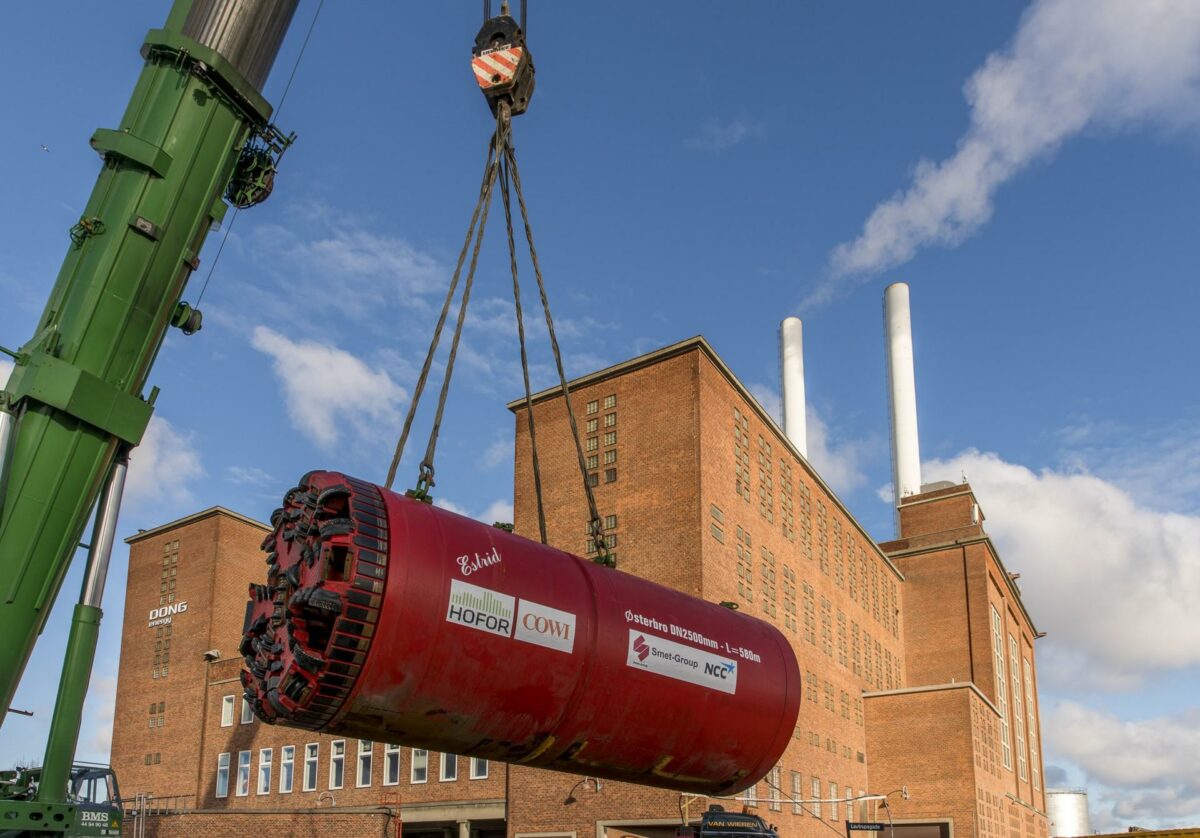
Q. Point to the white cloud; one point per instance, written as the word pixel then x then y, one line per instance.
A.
pixel 716 135
pixel 839 462
pixel 96 734
pixel 330 393
pixel 6 367
pixel 249 476
pixel 443 503
pixel 769 398
pixel 160 468
pixel 1147 767
pixel 500 451
pixel 499 511
pixel 326 249
pixel 1073 65
pixel 1160 466
pixel 1113 582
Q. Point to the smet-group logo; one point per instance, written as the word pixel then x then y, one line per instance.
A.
pixel 506 616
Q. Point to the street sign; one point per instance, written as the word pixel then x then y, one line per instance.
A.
pixel 856 826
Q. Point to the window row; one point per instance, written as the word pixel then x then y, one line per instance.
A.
pixel 610 401
pixel 309 763
pixel 227 704
pixel 820 800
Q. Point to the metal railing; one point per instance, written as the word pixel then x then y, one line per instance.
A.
pixel 142 805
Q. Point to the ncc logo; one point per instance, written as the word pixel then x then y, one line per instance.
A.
pixel 719 670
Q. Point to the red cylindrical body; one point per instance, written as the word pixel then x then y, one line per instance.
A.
pixel 388 619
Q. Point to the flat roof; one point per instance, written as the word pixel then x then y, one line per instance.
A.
pixel 699 342
pixel 193 518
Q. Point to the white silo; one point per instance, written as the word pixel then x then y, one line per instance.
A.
pixel 1067 810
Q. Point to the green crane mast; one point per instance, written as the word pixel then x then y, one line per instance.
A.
pixel 197 131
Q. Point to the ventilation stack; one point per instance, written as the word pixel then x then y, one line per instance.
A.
pixel 902 395
pixel 791 365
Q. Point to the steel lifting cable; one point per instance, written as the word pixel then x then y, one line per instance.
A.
pixel 489 175
pixel 596 525
pixel 425 477
pixel 512 260
pixel 502 166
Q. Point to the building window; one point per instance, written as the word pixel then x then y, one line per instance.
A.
pixel 797 794
pixel 479 768
pixel 366 750
pixel 752 795
pixel 593 478
pixel 227 711
pixel 610 401
pixel 449 768
pixel 1018 711
pixel 610 522
pixel 610 420
pixel 610 457
pixel 310 766
pixel 264 771
pixel 593 443
pixel 243 775
pixel 287 768
pixel 593 407
pixel 391 765
pixel 593 425
pixel 610 475
pixel 1033 746
pixel 833 801
pixel 815 793
pixel 337 763
pixel 247 713
pixel 593 461
pixel 610 438
pixel 1001 687
pixel 420 766
pixel 776 796
pixel 222 774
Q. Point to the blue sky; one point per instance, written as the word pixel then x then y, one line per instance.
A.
pixel 710 168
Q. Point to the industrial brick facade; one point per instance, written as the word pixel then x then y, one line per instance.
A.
pixel 700 491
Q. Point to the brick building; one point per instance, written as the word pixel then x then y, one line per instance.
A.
pixel 917 654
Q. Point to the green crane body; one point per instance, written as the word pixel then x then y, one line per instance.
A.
pixel 75 397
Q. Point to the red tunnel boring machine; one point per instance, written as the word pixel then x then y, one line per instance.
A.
pixel 388 619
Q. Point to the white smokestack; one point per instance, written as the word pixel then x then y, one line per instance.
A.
pixel 902 392
pixel 791 365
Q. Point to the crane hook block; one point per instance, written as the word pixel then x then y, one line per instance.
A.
pixel 502 64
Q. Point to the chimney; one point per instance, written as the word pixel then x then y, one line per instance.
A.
pixel 791 365
pixel 902 395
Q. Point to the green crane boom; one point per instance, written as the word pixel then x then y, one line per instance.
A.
pixel 196 129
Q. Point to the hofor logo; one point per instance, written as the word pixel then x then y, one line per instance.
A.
pixel 641 647
pixel 480 608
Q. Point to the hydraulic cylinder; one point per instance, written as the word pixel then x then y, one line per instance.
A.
pixel 76 392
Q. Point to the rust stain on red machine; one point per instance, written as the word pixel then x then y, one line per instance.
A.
pixel 387 619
